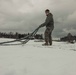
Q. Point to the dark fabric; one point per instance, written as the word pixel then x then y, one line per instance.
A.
pixel 48 35
pixel 49 22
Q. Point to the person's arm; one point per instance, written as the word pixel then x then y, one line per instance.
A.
pixel 46 22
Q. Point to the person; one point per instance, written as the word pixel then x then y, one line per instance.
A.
pixel 49 23
pixel 70 38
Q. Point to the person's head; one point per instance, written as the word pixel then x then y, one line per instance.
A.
pixel 47 11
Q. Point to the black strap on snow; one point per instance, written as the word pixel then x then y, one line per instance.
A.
pixel 24 42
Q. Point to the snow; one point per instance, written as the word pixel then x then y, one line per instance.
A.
pixel 35 59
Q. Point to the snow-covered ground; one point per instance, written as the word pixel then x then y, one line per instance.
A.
pixel 35 59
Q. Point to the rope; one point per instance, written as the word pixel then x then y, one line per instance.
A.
pixel 20 40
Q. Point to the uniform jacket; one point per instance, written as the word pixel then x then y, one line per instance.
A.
pixel 49 22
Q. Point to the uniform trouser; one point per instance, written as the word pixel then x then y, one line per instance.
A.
pixel 48 35
pixel 70 39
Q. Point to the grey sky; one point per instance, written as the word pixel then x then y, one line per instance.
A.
pixel 26 15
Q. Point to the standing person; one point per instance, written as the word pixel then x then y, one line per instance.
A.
pixel 70 38
pixel 49 23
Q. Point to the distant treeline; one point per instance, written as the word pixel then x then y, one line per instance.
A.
pixel 18 35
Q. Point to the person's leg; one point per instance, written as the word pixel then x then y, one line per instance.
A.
pixel 50 39
pixel 46 34
pixel 69 39
pixel 50 36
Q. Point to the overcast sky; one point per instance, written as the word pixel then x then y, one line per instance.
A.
pixel 26 15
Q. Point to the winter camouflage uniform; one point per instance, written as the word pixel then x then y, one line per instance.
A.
pixel 49 23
